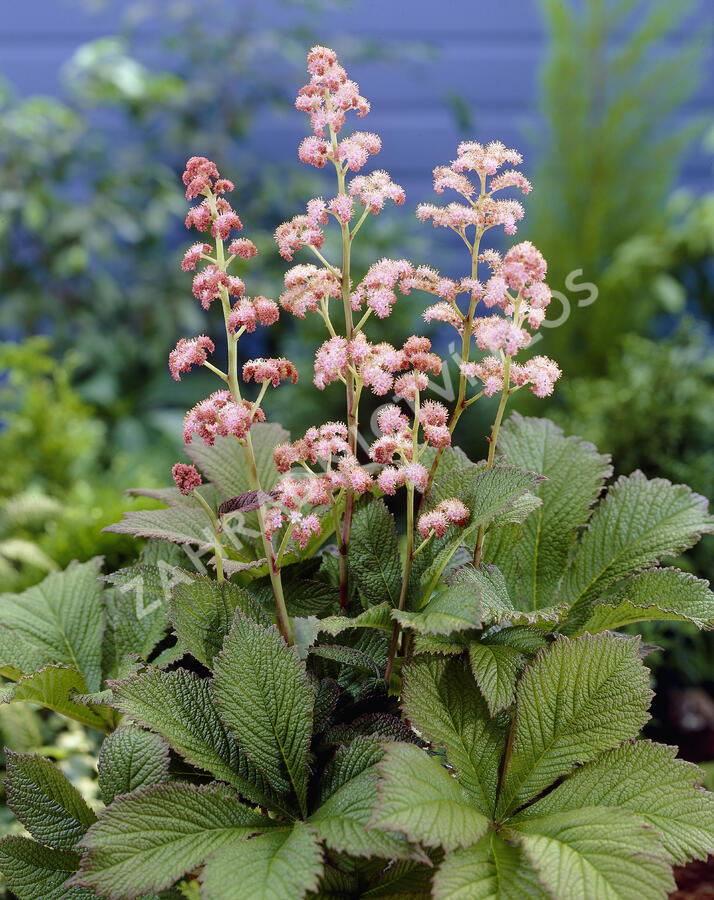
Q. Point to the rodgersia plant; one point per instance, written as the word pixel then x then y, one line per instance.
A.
pixel 293 707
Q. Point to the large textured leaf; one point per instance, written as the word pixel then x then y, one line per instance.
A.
pixel 34 872
pixel 262 692
pixel 374 555
pixel 149 839
pixel 379 617
pixel 655 595
pixel 341 819
pixel 576 473
pixel 129 759
pixel 56 687
pixel 648 779
pixel 404 880
pixel 489 870
pixel 637 524
pixel 202 612
pixel 454 608
pixel 179 707
pixel 496 670
pixel 429 806
pixel 442 702
pixel 578 698
pixel 183 522
pixel 49 807
pixel 281 865
pixel 610 854
pixel 224 462
pixel 60 620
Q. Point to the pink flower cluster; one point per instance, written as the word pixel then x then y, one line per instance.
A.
pixel 329 94
pixel 327 445
pixel 374 189
pixel 271 370
pixel 522 271
pixel 220 415
pixel 397 442
pixel 539 373
pixel 449 512
pixel 482 210
pixel 249 312
pixel 307 286
pixel 189 352
pixel 209 282
pixel 377 288
pixel 186 478
pixel 300 231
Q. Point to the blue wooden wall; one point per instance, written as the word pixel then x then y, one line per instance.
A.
pixel 489 51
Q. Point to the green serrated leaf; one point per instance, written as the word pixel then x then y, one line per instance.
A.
pixel 379 617
pixel 348 656
pixel 655 595
pixel 58 688
pixel 455 608
pixel 280 865
pixel 429 806
pixel 179 706
pixel 611 854
pixel 147 840
pixel 34 872
pixel 341 822
pixel 58 621
pixel 442 702
pixel 576 473
pixel 349 761
pixel 564 711
pixel 202 611
pixel 496 670
pixel 129 759
pixel 42 798
pixel 374 554
pixel 489 870
pixel 639 522
pixel 264 697
pixel 647 779
pixel 404 880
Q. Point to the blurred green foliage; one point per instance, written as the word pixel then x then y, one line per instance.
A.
pixel 613 92
pixel 61 481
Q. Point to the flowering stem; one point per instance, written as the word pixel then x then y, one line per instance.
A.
pixel 284 622
pixel 492 445
pixel 215 525
pixel 352 395
pixel 405 581
pixel 215 370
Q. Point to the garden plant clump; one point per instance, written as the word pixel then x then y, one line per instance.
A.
pixel 299 702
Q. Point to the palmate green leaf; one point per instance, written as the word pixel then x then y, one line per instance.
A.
pixel 496 670
pixel 179 706
pixel 349 761
pixel 281 865
pixel 263 695
pixel 647 779
pixel 638 523
pixel 56 687
pixel 42 798
pixel 489 870
pixel 655 595
pixel 202 611
pixel 429 806
pixel 58 621
pixel 576 473
pixel 442 702
pixel 611 854
pixel 131 758
pixel 405 880
pixel 147 840
pixel 34 872
pixel 374 555
pixel 578 698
